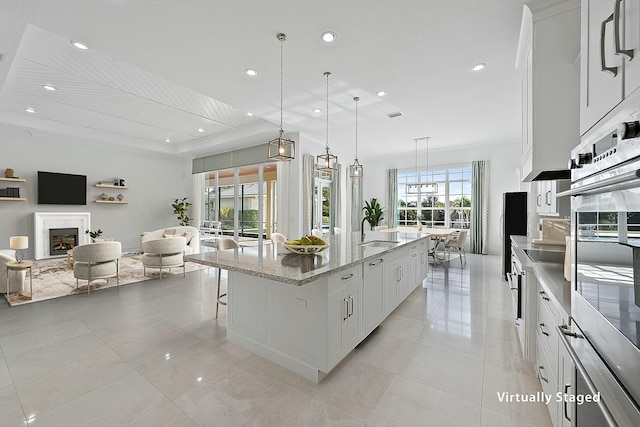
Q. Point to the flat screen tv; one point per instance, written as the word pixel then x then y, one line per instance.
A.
pixel 61 189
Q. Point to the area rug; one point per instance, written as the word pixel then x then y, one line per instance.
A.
pixel 53 279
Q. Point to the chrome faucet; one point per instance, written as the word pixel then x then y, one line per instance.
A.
pixel 362 229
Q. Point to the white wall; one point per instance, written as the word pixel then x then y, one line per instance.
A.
pixel 155 181
pixel 503 175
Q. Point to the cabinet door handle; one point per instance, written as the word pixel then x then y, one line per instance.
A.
pixel 565 410
pixel 347 277
pixel 544 296
pixel 542 329
pixel 501 227
pixel 540 369
pixel 351 305
pixel 603 60
pixel 345 309
pixel 538 202
pixel 547 198
pixel 414 255
pixel 616 23
pixel 381 260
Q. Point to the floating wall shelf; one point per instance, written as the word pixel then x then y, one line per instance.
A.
pixel 115 202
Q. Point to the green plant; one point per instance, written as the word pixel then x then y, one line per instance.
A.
pixel 181 208
pixel 373 212
pixel 94 234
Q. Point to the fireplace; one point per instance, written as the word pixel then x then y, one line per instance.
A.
pixel 45 221
pixel 62 239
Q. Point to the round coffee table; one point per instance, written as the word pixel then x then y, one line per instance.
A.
pixel 19 266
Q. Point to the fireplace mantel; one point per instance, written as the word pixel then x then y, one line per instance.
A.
pixel 43 221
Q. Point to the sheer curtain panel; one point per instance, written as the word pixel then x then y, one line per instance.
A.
pixel 479 206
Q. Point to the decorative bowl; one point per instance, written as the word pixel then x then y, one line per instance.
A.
pixel 304 249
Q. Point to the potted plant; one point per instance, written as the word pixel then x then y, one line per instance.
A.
pixel 373 212
pixel 181 208
pixel 94 234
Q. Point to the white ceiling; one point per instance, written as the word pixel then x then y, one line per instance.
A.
pixel 162 69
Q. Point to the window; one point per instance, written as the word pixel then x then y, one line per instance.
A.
pixel 449 206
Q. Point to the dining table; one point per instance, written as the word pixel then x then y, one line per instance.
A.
pixel 438 234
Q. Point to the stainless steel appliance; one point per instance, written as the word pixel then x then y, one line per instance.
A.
pixel 604 335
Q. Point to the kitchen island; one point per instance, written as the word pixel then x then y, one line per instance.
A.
pixel 307 312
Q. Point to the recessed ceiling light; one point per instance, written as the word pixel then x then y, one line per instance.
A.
pixel 200 130
pixel 167 140
pixel 328 36
pixel 479 67
pixel 30 110
pixel 79 45
pixel 49 87
pixel 250 72
pixel 381 93
pixel 317 110
pixel 250 114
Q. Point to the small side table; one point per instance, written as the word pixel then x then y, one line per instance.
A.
pixel 19 266
pixel 70 259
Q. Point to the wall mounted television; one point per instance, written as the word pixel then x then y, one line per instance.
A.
pixel 61 189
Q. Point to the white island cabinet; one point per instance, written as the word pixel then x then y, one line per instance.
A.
pixel 307 312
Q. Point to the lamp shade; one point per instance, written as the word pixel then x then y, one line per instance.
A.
pixel 19 242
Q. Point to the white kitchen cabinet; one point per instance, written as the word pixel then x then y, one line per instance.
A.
pixel 372 295
pixel 395 282
pixel 546 201
pixel 566 380
pixel 608 73
pixel 423 269
pixel 344 314
pixel 549 46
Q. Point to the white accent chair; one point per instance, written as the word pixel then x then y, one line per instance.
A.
pixel 191 235
pixel 96 261
pixel 221 245
pixel 337 230
pixel 316 233
pixel 211 227
pixel 278 238
pixel 16 278
pixel 457 243
pixel 166 252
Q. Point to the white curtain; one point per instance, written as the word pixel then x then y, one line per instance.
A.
pixel 479 206
pixel 391 213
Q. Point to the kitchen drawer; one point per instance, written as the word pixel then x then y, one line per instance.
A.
pixel 345 277
pixel 547 380
pixel 547 334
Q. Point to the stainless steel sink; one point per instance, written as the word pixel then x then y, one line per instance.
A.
pixel 378 244
pixel 540 255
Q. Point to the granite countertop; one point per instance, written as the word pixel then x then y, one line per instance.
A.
pixel 549 274
pixel 274 263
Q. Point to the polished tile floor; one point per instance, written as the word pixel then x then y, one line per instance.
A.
pixel 151 354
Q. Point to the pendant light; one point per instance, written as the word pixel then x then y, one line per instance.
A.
pixel 425 187
pixel 355 170
pixel 281 148
pixel 327 162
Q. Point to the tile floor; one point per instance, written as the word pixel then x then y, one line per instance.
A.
pixel 151 354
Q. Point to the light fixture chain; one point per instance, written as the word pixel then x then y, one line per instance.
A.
pixel 282 39
pixel 327 112
pixel 356 99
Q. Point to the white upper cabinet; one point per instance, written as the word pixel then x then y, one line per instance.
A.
pixel 631 42
pixel 547 55
pixel 610 40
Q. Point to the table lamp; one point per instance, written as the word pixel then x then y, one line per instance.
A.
pixel 19 243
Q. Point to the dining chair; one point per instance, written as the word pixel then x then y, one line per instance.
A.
pixel 316 233
pixel 221 245
pixel 337 230
pixel 278 238
pixel 457 242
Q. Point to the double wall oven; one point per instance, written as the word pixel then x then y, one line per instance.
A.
pixel 603 337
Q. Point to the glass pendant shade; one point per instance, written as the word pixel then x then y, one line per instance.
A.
pixel 281 148
pixel 327 162
pixel 355 170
